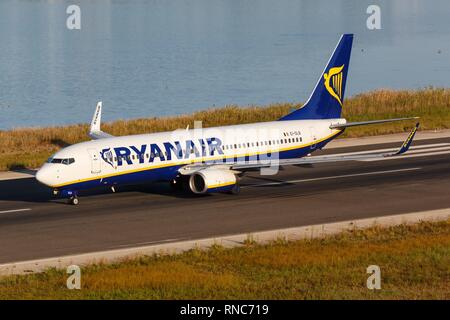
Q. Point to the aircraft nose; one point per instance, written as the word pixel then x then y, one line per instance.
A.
pixel 44 176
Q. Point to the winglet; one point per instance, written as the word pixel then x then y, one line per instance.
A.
pixel 405 146
pixel 95 132
pixel 97 118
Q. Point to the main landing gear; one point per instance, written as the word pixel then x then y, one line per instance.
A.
pixel 236 189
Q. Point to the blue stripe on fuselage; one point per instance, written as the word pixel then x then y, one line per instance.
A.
pixel 170 172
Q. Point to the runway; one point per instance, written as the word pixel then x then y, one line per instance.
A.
pixel 33 225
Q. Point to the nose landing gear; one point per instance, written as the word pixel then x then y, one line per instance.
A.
pixel 71 196
pixel 73 200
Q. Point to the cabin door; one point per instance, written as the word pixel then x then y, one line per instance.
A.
pixel 96 165
pixel 312 131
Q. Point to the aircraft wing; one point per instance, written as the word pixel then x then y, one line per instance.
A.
pixel 243 166
pixel 333 158
pixel 95 132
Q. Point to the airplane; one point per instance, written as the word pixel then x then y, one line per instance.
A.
pixel 212 160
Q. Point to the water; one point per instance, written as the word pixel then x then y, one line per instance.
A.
pixel 167 57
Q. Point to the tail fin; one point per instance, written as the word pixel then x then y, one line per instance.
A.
pixel 326 100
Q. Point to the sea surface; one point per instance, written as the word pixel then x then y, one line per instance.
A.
pixel 149 58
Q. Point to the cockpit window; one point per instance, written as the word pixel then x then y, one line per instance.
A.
pixel 65 161
pixel 68 161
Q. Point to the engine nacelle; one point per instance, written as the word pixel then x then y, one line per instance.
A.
pixel 213 180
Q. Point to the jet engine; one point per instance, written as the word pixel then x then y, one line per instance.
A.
pixel 211 180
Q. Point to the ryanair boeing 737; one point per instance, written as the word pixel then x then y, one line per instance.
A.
pixel 212 159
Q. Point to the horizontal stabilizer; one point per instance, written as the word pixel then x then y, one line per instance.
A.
pixel 362 123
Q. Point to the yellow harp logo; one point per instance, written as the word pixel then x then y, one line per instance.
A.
pixel 333 82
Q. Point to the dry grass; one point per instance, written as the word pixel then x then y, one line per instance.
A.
pixel 414 262
pixel 31 147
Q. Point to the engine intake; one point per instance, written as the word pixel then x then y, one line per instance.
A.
pixel 212 180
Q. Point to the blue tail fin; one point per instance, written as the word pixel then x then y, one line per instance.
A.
pixel 326 100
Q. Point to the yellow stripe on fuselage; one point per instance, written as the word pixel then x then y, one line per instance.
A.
pixel 221 185
pixel 192 161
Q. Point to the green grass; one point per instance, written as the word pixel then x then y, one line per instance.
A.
pixel 30 147
pixel 414 262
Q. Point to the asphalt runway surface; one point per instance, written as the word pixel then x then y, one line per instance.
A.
pixel 34 225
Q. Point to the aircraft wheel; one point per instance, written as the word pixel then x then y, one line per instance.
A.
pixel 73 201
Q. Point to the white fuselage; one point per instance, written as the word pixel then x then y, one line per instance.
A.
pixel 158 156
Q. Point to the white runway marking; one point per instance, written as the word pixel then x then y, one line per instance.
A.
pixel 414 152
pixel 427 150
pixel 15 210
pixel 406 156
pixel 334 177
pixel 442 146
